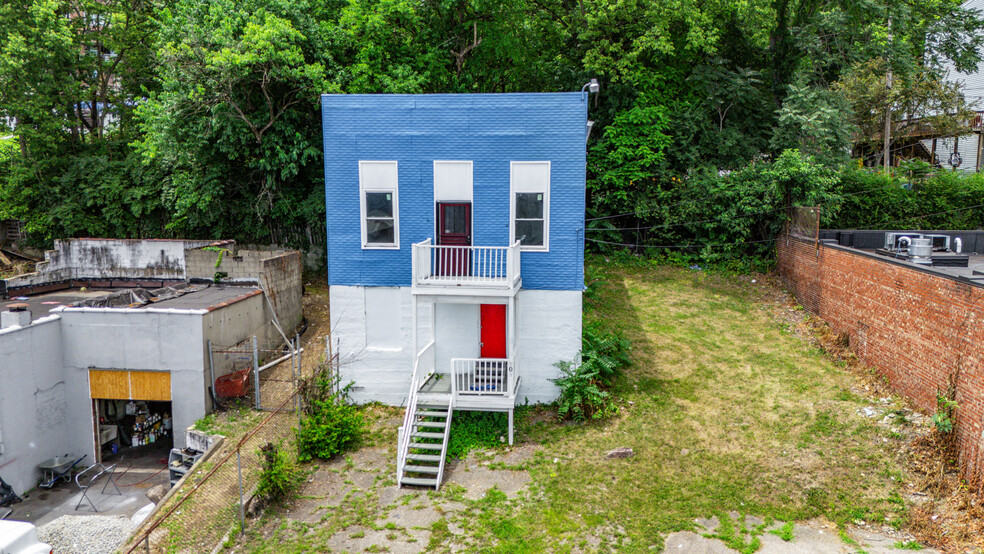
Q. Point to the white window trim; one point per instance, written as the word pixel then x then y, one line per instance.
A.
pixel 396 207
pixel 546 208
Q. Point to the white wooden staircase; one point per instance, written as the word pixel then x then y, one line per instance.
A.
pixel 426 444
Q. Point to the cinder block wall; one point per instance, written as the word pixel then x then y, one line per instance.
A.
pixel 244 265
pixel 280 278
pixel 917 328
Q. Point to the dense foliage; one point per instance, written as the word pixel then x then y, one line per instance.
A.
pixel 329 425
pixel 200 118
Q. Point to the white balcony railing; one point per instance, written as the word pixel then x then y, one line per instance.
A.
pixel 483 377
pixel 481 266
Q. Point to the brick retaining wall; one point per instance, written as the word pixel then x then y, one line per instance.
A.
pixel 916 327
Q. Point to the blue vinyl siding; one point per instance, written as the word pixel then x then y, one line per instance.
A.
pixel 491 130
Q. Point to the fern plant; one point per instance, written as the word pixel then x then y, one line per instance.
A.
pixel 581 396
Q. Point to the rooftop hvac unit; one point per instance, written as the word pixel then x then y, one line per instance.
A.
pixel 941 243
pixel 892 239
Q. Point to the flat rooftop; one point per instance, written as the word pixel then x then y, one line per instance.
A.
pixel 190 297
pixel 974 271
pixel 209 297
pixel 873 243
pixel 41 304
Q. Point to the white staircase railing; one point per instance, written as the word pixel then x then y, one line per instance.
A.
pixel 423 367
pixel 465 265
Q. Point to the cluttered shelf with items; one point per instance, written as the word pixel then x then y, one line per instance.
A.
pixel 133 423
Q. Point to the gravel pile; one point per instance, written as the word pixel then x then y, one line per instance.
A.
pixel 86 534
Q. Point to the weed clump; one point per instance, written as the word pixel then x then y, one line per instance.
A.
pixel 280 476
pixel 330 425
pixel 473 430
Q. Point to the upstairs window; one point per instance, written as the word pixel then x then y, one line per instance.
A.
pixel 530 204
pixel 380 209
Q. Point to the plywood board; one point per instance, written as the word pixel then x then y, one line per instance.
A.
pixel 150 385
pixel 111 385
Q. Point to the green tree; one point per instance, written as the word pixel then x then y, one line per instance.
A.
pixel 70 76
pixel 235 128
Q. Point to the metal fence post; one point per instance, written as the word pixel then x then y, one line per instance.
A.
pixel 256 372
pixel 242 507
pixel 297 379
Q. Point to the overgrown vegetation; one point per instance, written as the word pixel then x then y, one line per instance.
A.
pixel 329 425
pixel 279 475
pixel 200 119
pixel 474 430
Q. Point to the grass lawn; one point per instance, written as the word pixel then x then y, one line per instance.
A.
pixel 724 408
pixel 725 411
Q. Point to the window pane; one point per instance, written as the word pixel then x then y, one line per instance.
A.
pixel 529 205
pixel 379 204
pixel 379 231
pixel 530 233
pixel 455 218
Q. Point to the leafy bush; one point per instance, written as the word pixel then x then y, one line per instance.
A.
pixel 330 428
pixel 472 430
pixel 581 395
pixel 329 425
pixel 280 476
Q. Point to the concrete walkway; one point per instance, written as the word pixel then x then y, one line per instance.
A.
pixel 811 537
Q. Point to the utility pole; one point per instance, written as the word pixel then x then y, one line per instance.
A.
pixel 887 161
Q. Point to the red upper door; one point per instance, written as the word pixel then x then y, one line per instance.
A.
pixel 493 320
pixel 454 229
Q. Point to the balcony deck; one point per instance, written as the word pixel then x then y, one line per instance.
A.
pixel 466 270
pixel 474 384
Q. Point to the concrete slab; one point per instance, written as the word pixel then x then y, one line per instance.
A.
pixel 133 477
pixel 810 537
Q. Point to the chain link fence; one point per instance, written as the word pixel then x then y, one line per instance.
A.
pixel 804 222
pixel 215 497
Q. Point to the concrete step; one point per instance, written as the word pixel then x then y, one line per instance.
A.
pixel 424 457
pixel 424 435
pixel 420 469
pixel 419 481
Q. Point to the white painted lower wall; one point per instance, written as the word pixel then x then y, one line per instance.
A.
pixel 374 333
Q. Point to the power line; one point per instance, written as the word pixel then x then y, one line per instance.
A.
pixel 668 225
pixel 686 223
pixel 882 225
pixel 679 245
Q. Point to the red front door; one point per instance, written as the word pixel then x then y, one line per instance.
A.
pixel 454 229
pixel 493 333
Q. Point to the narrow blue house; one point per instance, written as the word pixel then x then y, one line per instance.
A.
pixel 455 253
